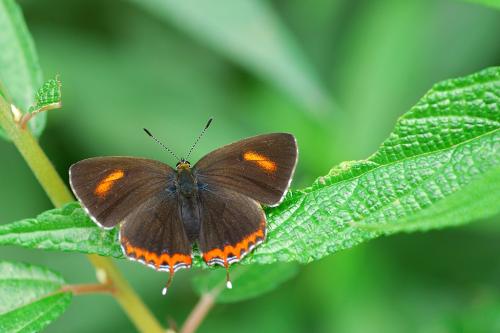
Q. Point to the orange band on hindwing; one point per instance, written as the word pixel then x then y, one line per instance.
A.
pixel 234 253
pixel 262 161
pixel 105 185
pixel 163 261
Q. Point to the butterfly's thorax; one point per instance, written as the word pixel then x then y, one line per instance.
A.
pixel 189 202
pixel 186 183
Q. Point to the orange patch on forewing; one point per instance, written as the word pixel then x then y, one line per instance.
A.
pixel 107 182
pixel 237 250
pixel 261 160
pixel 157 260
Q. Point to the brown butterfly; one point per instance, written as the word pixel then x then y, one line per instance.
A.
pixel 164 211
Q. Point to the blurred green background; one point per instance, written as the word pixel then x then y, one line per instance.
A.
pixel 125 66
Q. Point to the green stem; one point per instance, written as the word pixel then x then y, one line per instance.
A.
pixel 59 194
pixel 126 296
pixel 199 312
pixel 35 157
pixel 91 288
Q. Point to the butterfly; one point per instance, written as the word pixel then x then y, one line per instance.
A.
pixel 215 204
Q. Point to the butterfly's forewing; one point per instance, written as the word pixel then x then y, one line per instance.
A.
pixel 260 167
pixel 232 225
pixel 110 188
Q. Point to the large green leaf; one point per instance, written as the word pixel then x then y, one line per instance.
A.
pixel 248 281
pixel 65 229
pixel 251 34
pixel 30 297
pixel 439 167
pixel 20 73
pixel 444 149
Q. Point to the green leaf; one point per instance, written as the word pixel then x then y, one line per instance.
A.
pixel 29 297
pixel 251 34
pixel 444 149
pixel 248 281
pixel 48 96
pixel 20 72
pixel 439 167
pixel 64 229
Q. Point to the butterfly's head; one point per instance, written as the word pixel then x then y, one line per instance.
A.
pixel 183 164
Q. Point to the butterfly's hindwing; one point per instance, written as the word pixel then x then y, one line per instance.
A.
pixel 232 225
pixel 154 234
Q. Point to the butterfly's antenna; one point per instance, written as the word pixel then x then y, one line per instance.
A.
pixel 161 144
pixel 199 137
